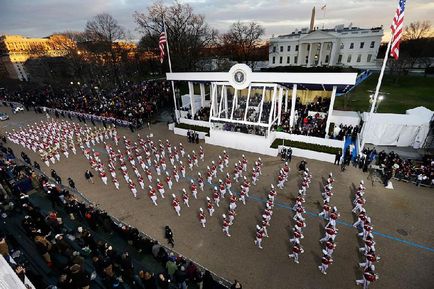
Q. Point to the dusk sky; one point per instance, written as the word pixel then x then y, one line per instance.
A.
pixel 39 18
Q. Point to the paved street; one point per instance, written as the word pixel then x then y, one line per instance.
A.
pixel 402 220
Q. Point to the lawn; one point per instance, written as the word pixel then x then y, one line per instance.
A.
pixel 408 92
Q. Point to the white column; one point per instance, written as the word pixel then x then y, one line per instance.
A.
pixel 221 101
pixel 294 97
pixel 279 112
pixel 212 101
pixel 202 94
pixel 191 93
pixel 320 53
pixel 273 101
pixel 286 100
pixel 225 95
pixel 309 55
pixel 247 102
pixel 332 54
pixel 298 53
pixel 261 105
pixel 329 115
pixel 234 103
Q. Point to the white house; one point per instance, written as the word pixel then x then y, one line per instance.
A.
pixel 340 46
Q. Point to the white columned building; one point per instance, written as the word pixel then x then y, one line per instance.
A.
pixel 340 46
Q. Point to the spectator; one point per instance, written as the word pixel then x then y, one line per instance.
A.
pixel 168 234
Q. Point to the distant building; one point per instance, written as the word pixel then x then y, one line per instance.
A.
pixel 15 50
pixel 341 46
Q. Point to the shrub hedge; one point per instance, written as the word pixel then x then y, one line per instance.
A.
pixel 305 146
pixel 192 127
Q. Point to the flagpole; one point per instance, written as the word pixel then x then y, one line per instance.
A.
pixel 380 78
pixel 170 69
pixel 377 90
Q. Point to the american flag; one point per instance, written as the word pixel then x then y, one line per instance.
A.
pixel 397 26
pixel 161 43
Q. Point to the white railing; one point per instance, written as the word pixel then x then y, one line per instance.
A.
pixel 308 139
pixel 195 122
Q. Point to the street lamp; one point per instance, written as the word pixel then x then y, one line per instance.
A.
pixel 380 98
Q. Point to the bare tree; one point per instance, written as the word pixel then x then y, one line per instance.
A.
pixel 103 30
pixel 417 30
pixel 104 27
pixel 242 41
pixel 188 33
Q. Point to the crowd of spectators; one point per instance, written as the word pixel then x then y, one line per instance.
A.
pixel 391 165
pixel 343 130
pixel 420 173
pixel 133 102
pixel 313 124
pixel 68 237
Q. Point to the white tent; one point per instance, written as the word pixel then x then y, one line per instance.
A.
pixel 403 130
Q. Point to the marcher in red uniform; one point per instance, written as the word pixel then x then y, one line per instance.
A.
pixel 152 194
pixel 185 198
pixel 133 188
pixel 202 217
pixel 228 183
pixel 325 211
pixel 329 247
pixel 296 250
pixel 216 196
pixel 193 188
pixel 259 237
pixel 330 233
pixel 226 226
pixel 160 188
pixel 326 260
pixel 175 205
pixel 209 206
pixel 233 203
pixel 297 236
pixel 333 217
pixel 103 176
pixel 200 181
pixel 368 277
pixel 169 181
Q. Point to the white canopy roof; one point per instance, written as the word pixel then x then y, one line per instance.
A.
pixel 410 129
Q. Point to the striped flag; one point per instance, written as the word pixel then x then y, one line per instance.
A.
pixel 397 27
pixel 161 43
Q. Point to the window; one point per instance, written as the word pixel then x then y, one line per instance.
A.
pixel 308 47
pixel 342 46
pixel 280 59
pixel 362 44
pixel 288 60
pixel 295 59
pixel 307 59
pixel 351 45
pixel 326 59
pixel 349 58
pixel 372 44
pixel 274 59
pixel 369 58
pixel 359 58
pixel 289 48
pixel 274 48
pixel 296 48
pixel 281 48
pixel 340 58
